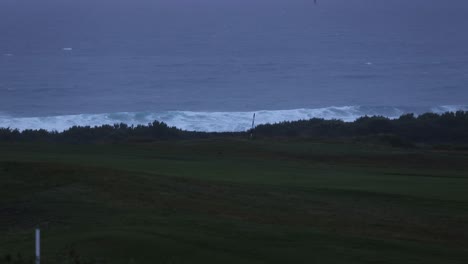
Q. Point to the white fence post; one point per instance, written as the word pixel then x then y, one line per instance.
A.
pixel 38 246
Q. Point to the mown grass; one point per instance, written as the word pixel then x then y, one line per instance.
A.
pixel 235 201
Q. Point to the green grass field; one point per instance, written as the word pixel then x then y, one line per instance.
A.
pixel 234 201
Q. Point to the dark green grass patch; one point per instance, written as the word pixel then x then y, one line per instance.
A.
pixel 234 201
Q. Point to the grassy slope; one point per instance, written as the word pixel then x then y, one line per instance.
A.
pixel 235 202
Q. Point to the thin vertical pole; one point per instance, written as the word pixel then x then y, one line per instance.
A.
pixel 253 126
pixel 38 246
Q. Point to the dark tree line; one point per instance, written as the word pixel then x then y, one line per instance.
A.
pixel 447 128
pixel 450 127
pixel 106 133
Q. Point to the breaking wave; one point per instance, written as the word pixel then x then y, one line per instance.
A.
pixel 213 121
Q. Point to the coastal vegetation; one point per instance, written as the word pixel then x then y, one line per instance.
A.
pixel 407 130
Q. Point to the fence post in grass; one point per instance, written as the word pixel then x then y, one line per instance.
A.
pixel 38 246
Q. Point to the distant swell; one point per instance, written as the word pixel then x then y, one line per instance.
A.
pixel 213 121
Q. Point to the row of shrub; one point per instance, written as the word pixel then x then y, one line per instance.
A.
pixel 450 128
pixel 105 133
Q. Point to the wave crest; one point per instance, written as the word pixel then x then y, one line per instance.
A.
pixel 212 121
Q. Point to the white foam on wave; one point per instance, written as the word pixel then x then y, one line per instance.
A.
pixel 205 121
pixel 449 108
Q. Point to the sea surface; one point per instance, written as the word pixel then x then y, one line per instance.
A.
pixel 208 65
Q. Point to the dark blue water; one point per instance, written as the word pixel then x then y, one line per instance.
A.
pixel 184 61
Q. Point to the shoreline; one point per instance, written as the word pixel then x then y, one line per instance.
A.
pixel 216 121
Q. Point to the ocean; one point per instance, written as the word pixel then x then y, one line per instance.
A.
pixel 208 65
